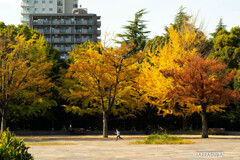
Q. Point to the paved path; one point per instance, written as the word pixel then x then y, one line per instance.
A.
pixel 94 148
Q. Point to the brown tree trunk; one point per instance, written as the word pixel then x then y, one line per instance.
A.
pixel 184 123
pixel 3 109
pixel 4 120
pixel 204 122
pixel 105 124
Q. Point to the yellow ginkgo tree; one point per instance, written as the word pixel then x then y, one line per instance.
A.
pixel 104 77
pixel 23 66
pixel 153 86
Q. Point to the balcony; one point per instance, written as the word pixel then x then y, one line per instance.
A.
pixel 27 11
pixel 69 22
pixel 45 22
pixel 62 30
pixel 98 23
pixel 62 49
pixel 55 40
pixel 84 31
pixel 55 31
pixel 55 22
pixel 69 39
pixel 90 21
pixel 24 19
pixel 79 40
pixel 62 40
pixel 98 32
pixel 78 31
pixel 85 40
pixel 82 22
pixel 27 4
pixel 46 30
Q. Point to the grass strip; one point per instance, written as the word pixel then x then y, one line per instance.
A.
pixel 48 144
pixel 163 139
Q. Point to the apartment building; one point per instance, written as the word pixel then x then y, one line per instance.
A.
pixel 62 28
pixel 46 6
pixel 63 31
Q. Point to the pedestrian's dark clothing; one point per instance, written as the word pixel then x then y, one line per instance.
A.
pixel 70 130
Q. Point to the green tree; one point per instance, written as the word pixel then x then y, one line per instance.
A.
pixel 219 27
pixel 135 33
pixel 154 43
pixel 182 18
pixel 227 47
pixel 233 115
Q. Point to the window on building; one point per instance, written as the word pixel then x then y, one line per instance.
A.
pixel 35 2
pixel 60 10
pixel 62 21
pixel 75 6
pixel 43 9
pixel 35 9
pixel 50 1
pixel 50 9
pixel 90 21
pixel 43 2
pixel 72 20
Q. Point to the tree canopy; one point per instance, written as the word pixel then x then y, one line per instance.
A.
pixel 23 67
pixel 201 83
pixel 227 47
pixel 135 33
pixel 219 27
pixel 105 77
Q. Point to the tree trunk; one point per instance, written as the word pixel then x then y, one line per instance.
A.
pixel 4 120
pixel 204 122
pixel 105 124
pixel 3 109
pixel 184 123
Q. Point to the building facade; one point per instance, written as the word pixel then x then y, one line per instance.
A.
pixel 61 22
pixel 46 6
pixel 63 31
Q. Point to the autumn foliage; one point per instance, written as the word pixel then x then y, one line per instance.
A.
pixel 201 81
pixel 23 66
pixel 202 84
pixel 105 77
pixel 153 86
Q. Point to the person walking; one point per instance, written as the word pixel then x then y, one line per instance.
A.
pixel 118 134
pixel 70 129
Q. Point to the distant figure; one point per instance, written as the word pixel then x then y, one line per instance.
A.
pixel 160 129
pixel 118 134
pixel 70 129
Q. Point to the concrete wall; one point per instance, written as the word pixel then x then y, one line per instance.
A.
pixel 68 5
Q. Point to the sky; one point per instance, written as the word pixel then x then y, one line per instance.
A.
pixel 115 13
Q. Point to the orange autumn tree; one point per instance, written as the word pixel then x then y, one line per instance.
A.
pixel 23 66
pixel 203 83
pixel 104 77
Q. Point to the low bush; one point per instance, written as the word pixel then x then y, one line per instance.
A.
pixel 11 148
pixel 163 139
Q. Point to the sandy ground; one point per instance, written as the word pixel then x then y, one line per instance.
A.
pixel 96 148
